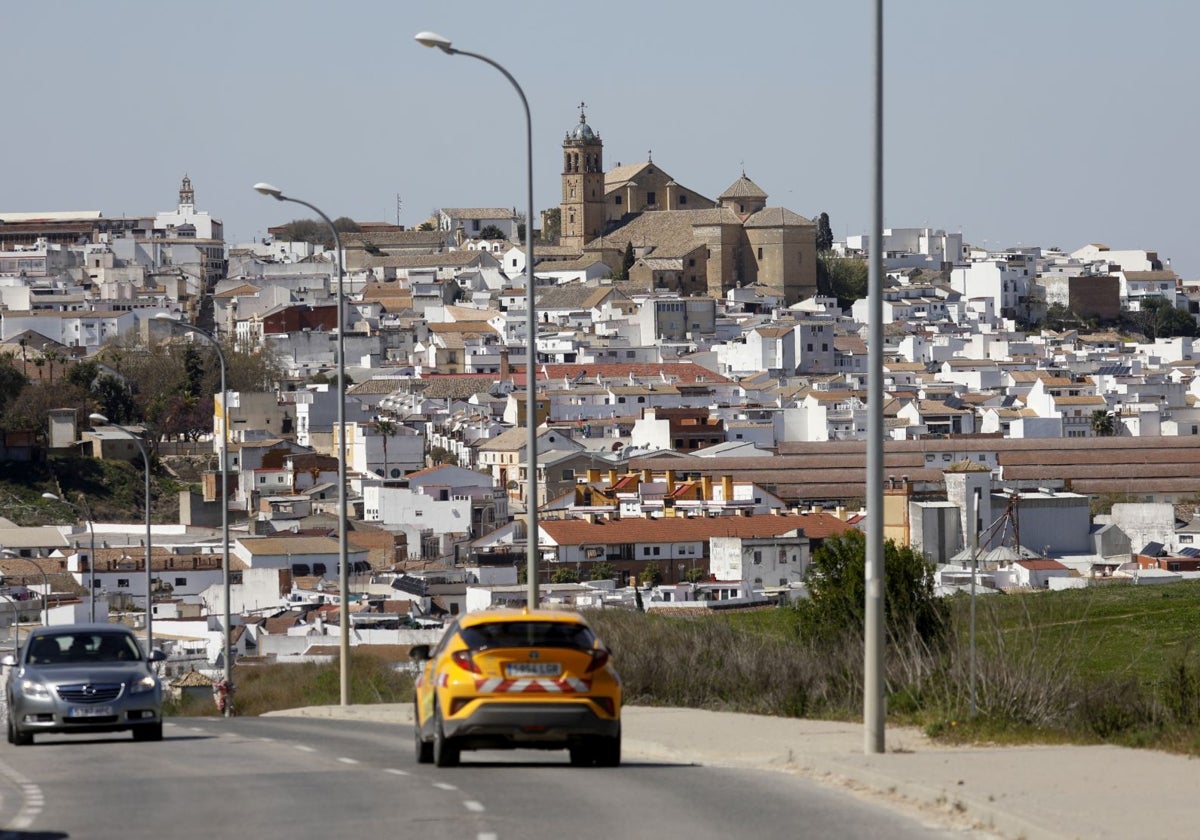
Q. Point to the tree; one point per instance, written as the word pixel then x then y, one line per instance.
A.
pixel 843 277
pixel 1159 318
pixel 824 233
pixel 651 575
pixel 551 225
pixel 492 232
pixel 387 429
pixel 602 570
pixel 1103 423
pixel 627 261
pixel 12 381
pixel 315 231
pixel 564 574
pixel 836 581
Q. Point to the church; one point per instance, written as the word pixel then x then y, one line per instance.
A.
pixel 682 241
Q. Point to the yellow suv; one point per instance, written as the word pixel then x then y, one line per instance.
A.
pixel 518 679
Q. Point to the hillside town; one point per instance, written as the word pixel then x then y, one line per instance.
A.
pixel 701 411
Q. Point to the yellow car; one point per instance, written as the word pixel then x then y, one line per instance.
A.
pixel 518 679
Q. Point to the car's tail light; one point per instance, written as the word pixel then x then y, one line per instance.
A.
pixel 606 703
pixel 599 660
pixel 457 703
pixel 462 658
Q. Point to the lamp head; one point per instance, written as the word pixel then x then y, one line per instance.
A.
pixel 432 39
pixel 98 419
pixel 268 189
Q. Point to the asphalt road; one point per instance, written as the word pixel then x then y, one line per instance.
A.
pixel 293 777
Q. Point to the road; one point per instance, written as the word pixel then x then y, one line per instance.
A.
pixel 291 777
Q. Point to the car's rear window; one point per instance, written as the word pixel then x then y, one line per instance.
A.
pixel 80 647
pixel 528 634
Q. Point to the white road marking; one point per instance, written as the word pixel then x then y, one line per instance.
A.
pixel 32 798
pixel 304 748
pixel 345 760
pixel 395 772
pixel 487 835
pixel 444 786
pixel 472 805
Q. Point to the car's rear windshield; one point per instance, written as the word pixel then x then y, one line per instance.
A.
pixel 529 634
pixel 80 647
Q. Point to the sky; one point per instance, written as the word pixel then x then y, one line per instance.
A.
pixel 1018 123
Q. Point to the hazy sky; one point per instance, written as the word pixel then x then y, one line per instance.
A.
pixel 1034 122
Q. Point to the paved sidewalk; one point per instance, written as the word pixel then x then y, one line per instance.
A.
pixel 1033 793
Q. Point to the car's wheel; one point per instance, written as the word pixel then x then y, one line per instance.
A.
pixel 608 751
pixel 15 735
pixel 582 754
pixel 445 752
pixel 424 749
pixel 149 732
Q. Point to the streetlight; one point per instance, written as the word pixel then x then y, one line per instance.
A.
pixel 12 555
pixel 874 709
pixel 432 39
pixel 343 552
pixel 91 557
pixel 101 420
pixel 228 641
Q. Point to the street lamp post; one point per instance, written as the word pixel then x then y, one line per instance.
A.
pixel 91 556
pixel 225 572
pixel 343 552
pixel 101 420
pixel 432 39
pixel 12 555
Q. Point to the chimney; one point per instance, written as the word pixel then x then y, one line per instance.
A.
pixel 706 487
pixel 647 475
pixel 593 475
pixel 670 475
pixel 612 478
pixel 504 370
pixel 727 488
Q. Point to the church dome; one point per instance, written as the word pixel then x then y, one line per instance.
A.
pixel 582 132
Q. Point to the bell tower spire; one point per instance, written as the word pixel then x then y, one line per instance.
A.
pixel 187 197
pixel 582 208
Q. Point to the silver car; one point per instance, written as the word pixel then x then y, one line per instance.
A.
pixel 82 678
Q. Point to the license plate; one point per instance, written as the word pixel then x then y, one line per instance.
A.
pixel 89 711
pixel 533 669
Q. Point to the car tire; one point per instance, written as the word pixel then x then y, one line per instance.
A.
pixel 149 732
pixel 424 749
pixel 608 751
pixel 445 751
pixel 582 754
pixel 8 723
pixel 16 736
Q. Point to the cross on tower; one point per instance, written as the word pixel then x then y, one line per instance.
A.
pixel 582 117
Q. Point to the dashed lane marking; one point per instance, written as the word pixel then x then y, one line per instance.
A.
pixel 472 805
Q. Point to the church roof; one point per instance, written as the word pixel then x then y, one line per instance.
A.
pixel 777 217
pixel 743 187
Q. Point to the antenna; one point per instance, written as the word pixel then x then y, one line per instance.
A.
pixel 399 203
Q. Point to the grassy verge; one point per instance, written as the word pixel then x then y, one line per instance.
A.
pixel 1102 665
pixel 265 688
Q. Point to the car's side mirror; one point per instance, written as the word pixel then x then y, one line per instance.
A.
pixel 8 660
pixel 419 652
pixel 156 655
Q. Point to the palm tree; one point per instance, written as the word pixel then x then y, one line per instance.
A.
pixel 386 428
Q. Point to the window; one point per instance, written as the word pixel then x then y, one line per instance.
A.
pixel 683 199
pixel 757 557
pixel 656 551
pixel 568 475
pixel 180 581
pixel 617 200
pixel 645 551
pixel 122 583
pixel 651 198
pixel 760 253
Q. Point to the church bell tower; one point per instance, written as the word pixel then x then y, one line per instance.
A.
pixel 582 206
